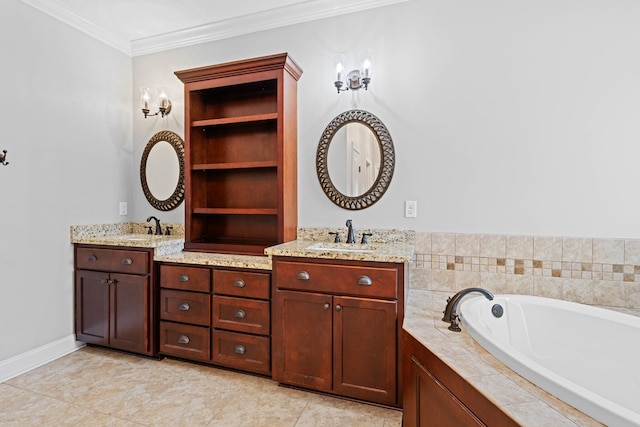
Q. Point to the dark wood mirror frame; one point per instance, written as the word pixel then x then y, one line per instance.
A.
pixel 178 194
pixel 387 160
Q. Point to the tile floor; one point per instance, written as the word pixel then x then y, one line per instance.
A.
pixel 97 387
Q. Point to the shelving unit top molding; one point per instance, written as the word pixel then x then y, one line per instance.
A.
pixel 238 68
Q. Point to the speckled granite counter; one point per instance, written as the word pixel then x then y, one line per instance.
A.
pixel 380 252
pixel 526 403
pixel 221 260
pixel 128 235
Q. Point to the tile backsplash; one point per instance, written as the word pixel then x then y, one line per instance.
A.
pixel 603 272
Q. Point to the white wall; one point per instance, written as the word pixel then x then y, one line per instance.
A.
pixel 65 119
pixel 507 117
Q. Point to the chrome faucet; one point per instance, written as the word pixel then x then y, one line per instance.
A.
pixel 351 238
pixel 450 314
pixel 158 227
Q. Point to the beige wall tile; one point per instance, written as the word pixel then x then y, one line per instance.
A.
pixel 632 252
pixel 519 247
pixel 467 279
pixel 494 246
pixel 578 290
pixel 547 248
pixel 517 284
pixel 577 249
pixel 423 243
pixel 443 280
pixel 468 244
pixel 609 251
pixel 443 243
pixel 609 293
pixel 549 287
pixel 494 282
pixel 420 278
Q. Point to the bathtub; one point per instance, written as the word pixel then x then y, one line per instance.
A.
pixel 586 356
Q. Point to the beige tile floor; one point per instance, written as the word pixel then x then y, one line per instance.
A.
pixel 97 387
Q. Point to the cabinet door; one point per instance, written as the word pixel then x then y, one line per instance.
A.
pixel 302 350
pixel 92 307
pixel 365 342
pixel 129 322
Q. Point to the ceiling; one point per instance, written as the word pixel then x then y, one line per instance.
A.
pixel 138 27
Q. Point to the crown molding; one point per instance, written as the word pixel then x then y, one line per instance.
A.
pixel 288 15
pixel 304 11
pixel 81 24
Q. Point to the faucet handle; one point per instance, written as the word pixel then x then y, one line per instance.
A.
pixel 336 239
pixel 365 237
pixel 167 230
pixel 149 229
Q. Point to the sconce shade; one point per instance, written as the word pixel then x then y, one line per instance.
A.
pixel 164 104
pixel 355 79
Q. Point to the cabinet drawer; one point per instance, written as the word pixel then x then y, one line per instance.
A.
pixel 116 260
pixel 185 278
pixel 378 282
pixel 190 342
pixel 242 284
pixel 185 307
pixel 241 351
pixel 242 315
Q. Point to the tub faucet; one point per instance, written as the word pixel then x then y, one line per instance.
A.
pixel 450 314
pixel 158 227
pixel 351 238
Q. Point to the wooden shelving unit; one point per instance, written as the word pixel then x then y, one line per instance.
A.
pixel 241 154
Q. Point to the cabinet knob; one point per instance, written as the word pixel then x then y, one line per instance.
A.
pixel 184 307
pixel 111 282
pixel 239 283
pixel 104 282
pixel 327 306
pixel 364 281
pixel 240 314
pixel 240 349
pixel 183 278
pixel 92 258
pixel 127 261
pixel 338 307
pixel 302 275
pixel 183 339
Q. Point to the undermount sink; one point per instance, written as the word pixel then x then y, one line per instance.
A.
pixel 342 247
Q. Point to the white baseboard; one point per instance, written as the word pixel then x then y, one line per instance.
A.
pixel 32 359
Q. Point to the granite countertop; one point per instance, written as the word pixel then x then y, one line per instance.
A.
pixel 522 400
pixel 379 252
pixel 222 260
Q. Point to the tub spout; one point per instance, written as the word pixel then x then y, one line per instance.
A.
pixel 450 314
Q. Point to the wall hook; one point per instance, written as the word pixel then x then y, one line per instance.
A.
pixel 3 158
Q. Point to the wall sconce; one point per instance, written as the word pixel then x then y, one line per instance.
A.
pixel 356 78
pixel 164 104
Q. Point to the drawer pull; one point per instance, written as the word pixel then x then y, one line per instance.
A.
pixel 92 258
pixel 127 261
pixel 184 307
pixel 104 282
pixel 338 307
pixel 302 275
pixel 327 306
pixel 364 281
pixel 240 349
pixel 239 283
pixel 240 314
pixel 183 339
pixel 183 278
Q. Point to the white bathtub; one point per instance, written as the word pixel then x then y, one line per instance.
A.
pixel 586 356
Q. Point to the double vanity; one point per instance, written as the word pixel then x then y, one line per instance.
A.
pixel 311 313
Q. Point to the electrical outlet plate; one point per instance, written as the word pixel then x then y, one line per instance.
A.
pixel 410 209
pixel 123 208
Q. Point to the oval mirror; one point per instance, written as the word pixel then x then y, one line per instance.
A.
pixel 162 171
pixel 355 160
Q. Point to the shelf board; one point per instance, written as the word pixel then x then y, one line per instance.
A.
pixel 234 120
pixel 234 165
pixel 235 211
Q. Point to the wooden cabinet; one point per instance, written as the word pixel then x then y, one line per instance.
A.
pixel 114 298
pixel 241 154
pixel 435 395
pixel 336 327
pixel 218 316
